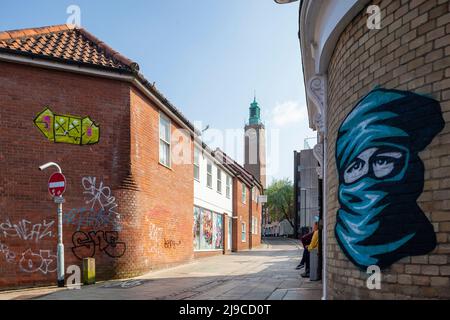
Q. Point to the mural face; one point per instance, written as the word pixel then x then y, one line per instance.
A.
pixel 381 176
pixel 67 129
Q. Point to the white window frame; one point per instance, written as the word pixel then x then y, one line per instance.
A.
pixel 228 186
pixel 162 117
pixel 209 175
pixel 254 225
pixel 197 164
pixel 244 193
pixel 243 232
pixel 219 180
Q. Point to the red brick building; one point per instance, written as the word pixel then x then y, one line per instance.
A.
pixel 247 212
pixel 121 205
pixel 69 98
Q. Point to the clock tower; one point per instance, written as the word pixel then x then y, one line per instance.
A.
pixel 255 144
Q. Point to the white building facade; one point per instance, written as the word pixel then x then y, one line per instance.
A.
pixel 213 203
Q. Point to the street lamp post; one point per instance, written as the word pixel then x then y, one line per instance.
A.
pixel 59 200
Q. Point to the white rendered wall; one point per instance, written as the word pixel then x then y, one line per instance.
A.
pixel 209 198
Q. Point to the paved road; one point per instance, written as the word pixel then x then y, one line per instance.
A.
pixel 267 273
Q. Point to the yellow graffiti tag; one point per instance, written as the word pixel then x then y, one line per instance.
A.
pixel 67 128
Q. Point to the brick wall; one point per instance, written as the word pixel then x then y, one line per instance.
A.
pixel 242 213
pixel 256 211
pixel 165 196
pixel 25 203
pixel 120 175
pixel 411 52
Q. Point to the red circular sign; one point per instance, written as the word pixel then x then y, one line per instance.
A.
pixel 57 184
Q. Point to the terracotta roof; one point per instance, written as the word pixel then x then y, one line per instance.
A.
pixel 72 45
pixel 65 43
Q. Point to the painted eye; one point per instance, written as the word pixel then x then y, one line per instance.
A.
pixel 357 166
pixel 382 162
pixel 355 170
pixel 384 165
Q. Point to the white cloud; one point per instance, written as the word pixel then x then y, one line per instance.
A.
pixel 289 112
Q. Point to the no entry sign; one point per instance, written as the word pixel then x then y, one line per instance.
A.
pixel 57 184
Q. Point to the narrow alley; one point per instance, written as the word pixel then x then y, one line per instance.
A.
pixel 267 273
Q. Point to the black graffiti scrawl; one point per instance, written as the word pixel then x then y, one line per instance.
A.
pixel 85 244
pixel 381 176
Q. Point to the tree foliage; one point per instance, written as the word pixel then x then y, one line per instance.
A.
pixel 280 200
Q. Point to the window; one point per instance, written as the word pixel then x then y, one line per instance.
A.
pixel 243 232
pixel 219 180
pixel 253 193
pixel 164 140
pixel 209 174
pixel 254 225
pixel 228 187
pixel 244 193
pixel 208 230
pixel 196 164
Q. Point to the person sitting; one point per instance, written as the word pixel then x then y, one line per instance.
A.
pixel 306 240
pixel 313 245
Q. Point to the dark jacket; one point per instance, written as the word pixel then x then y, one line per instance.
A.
pixel 306 239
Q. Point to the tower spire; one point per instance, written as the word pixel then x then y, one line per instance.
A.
pixel 255 112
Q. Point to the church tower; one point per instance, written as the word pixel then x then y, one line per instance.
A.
pixel 255 144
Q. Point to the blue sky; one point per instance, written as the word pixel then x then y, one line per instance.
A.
pixel 207 56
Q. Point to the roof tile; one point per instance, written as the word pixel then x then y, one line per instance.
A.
pixel 66 43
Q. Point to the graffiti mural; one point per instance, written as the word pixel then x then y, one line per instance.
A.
pixel 43 262
pixel 196 228
pixel 99 197
pixel 171 244
pixel 67 129
pixel 101 210
pixel 89 218
pixel 25 230
pixel 207 230
pixel 9 255
pixel 218 227
pixel 381 176
pixel 85 244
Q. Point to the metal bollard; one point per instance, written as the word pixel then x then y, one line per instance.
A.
pixel 88 271
pixel 314 265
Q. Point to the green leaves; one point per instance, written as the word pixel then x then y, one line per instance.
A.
pixel 280 200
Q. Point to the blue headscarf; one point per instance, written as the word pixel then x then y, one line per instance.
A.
pixel 381 177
